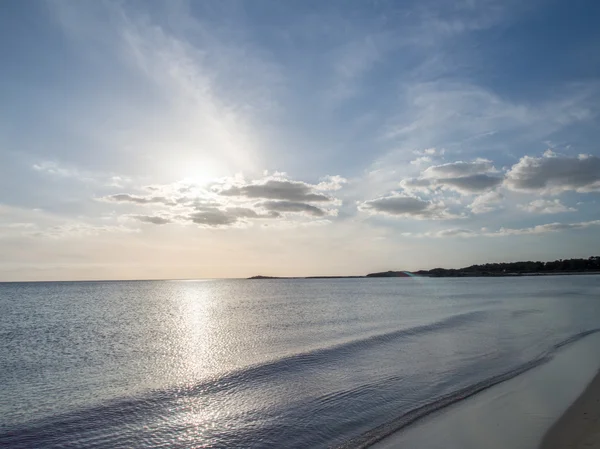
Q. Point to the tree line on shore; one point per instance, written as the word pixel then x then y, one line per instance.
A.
pixel 507 268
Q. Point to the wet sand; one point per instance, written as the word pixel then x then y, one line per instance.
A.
pixel 579 426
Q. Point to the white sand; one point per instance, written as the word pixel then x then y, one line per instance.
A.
pixel 515 414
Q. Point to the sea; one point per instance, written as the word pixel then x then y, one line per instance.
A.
pixel 307 363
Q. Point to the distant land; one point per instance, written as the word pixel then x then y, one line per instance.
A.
pixel 590 265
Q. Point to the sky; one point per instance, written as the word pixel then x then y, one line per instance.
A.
pixel 202 139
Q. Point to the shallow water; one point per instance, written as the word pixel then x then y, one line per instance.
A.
pixel 237 363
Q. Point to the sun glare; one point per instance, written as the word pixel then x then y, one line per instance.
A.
pixel 198 171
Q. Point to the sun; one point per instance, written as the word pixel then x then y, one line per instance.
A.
pixel 199 171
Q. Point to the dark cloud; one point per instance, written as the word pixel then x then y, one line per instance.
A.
pixel 550 227
pixel 153 219
pixel 555 174
pixel 292 206
pixel 454 233
pixel 277 190
pixel 211 216
pixel 136 199
pixel 464 177
pixel 471 184
pixel 407 206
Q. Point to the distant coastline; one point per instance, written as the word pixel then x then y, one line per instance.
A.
pixel 590 265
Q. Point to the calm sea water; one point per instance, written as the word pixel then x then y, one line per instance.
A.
pixel 270 363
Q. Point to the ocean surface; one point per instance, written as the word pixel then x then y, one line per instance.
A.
pixel 268 363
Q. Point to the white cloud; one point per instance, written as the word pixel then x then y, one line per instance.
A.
pixel 232 201
pixel 416 185
pixel 421 160
pixel 487 202
pixel 552 173
pixel 545 207
pixel 330 183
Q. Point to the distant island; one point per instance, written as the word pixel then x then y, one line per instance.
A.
pixel 590 265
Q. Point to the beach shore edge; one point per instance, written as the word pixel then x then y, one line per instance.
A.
pixel 579 426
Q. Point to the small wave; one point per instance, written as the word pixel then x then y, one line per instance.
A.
pixel 518 313
pixel 377 434
pixel 112 413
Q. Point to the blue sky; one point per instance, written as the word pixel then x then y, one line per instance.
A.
pixel 228 138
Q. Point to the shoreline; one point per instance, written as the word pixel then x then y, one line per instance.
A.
pixel 417 274
pixel 579 426
pixel 519 413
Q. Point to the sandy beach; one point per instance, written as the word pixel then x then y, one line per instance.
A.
pixel 555 403
pixel 579 426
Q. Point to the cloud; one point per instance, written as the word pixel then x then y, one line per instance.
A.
pixel 471 184
pixel 451 114
pixel 277 189
pixel 554 174
pixel 487 202
pixel 329 183
pixel 463 177
pixel 408 207
pixel 214 217
pixel 57 170
pixel 54 169
pixel 232 201
pixel 454 233
pixel 416 185
pixel 504 232
pixel 421 160
pixel 75 229
pixel 153 219
pixel 137 199
pixel 546 207
pixel 445 233
pixel 541 229
pixel 459 169
pixel 291 206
